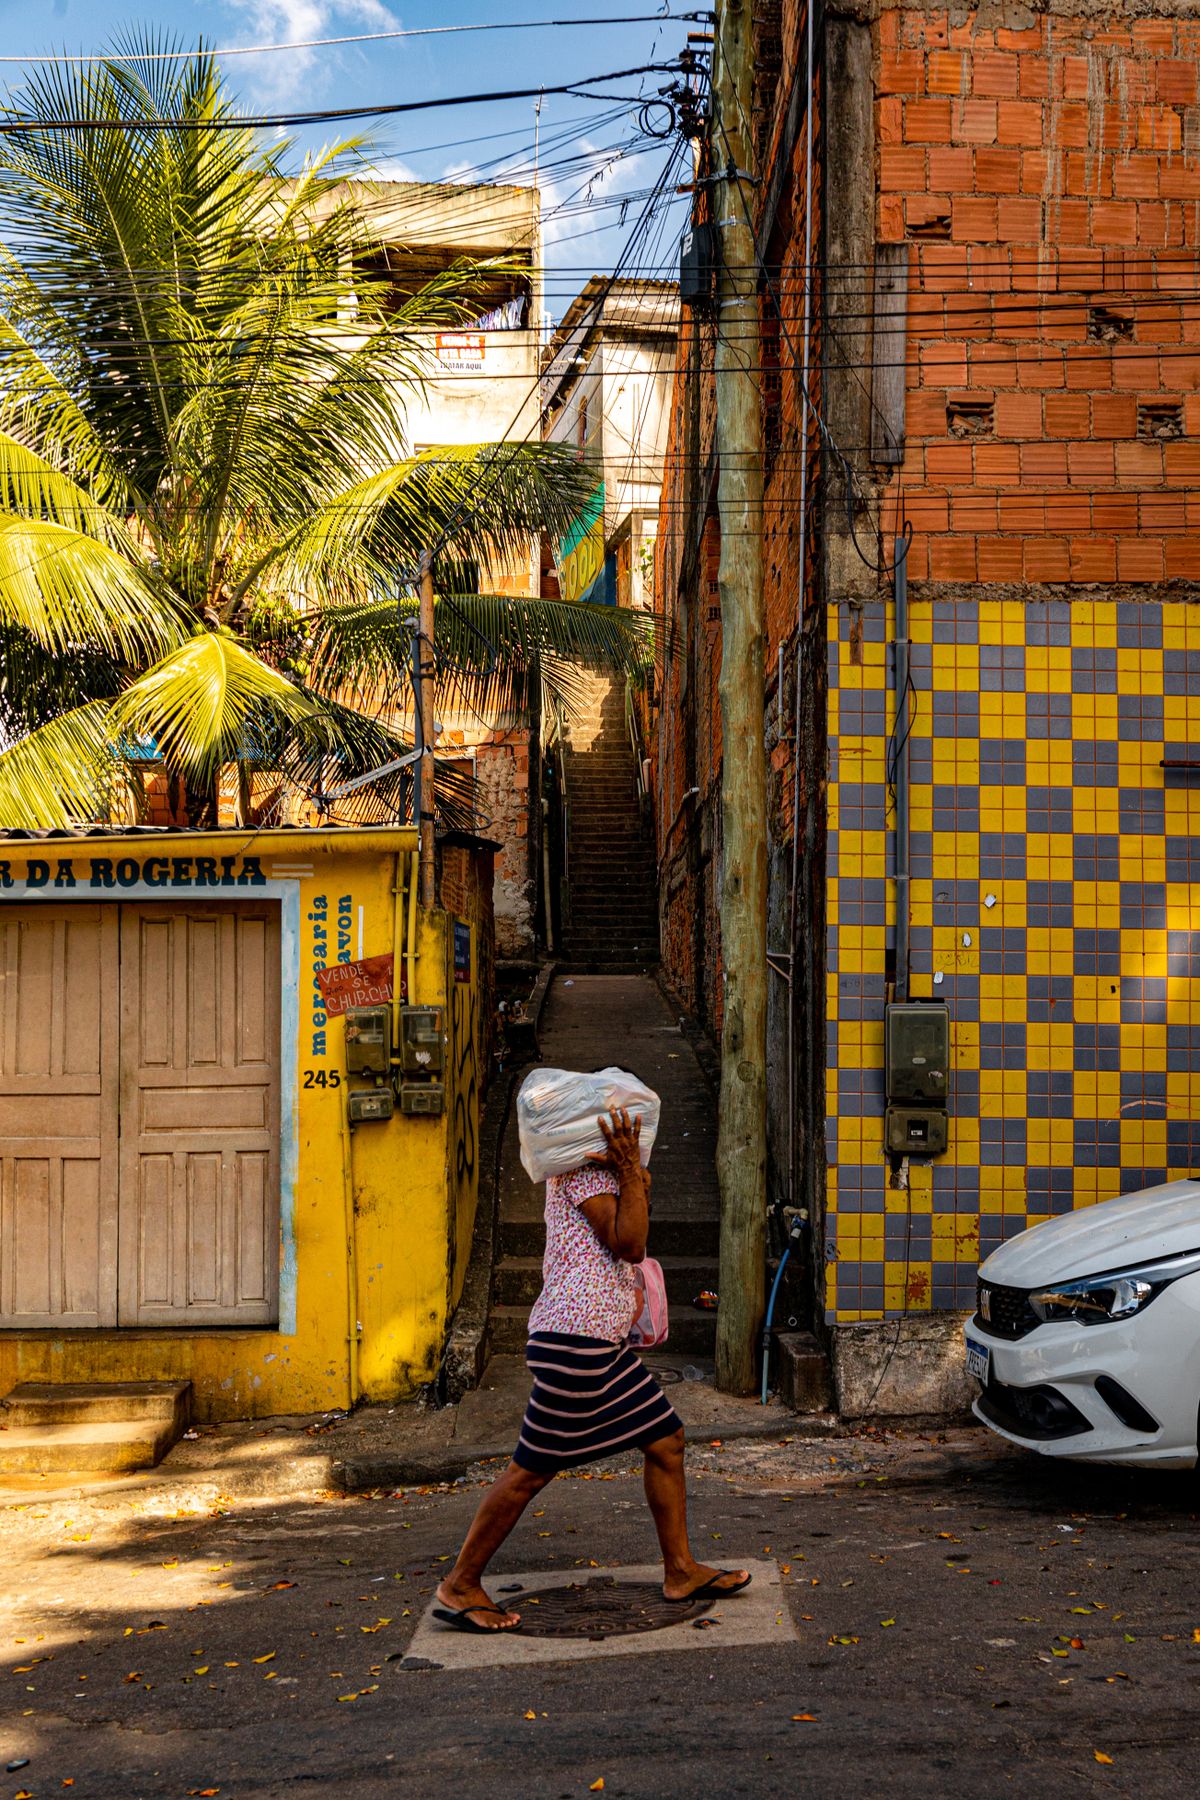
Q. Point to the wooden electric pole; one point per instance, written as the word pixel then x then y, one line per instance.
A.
pixel 425 725
pixel 742 1123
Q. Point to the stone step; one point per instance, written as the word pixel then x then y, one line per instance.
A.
pixel 577 963
pixel 691 1330
pixel 632 924
pixel 601 940
pixel 696 1240
pixel 113 1448
pixel 518 1279
pixel 630 909
pixel 36 1403
pixel 626 847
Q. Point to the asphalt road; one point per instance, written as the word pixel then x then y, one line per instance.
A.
pixel 969 1623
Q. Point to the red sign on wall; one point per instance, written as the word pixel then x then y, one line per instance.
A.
pixel 366 983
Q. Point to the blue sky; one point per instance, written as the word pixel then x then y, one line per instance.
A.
pixel 589 163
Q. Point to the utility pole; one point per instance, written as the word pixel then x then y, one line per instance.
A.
pixel 424 722
pixel 742 1116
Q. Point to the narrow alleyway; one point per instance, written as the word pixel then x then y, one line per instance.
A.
pixel 590 1022
pixel 612 873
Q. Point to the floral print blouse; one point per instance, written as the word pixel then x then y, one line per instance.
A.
pixel 586 1291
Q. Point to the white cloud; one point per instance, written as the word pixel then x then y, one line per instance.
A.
pixel 286 77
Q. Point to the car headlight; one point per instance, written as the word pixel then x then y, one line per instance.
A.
pixel 1118 1294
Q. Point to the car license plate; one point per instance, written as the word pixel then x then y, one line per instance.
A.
pixel 979 1359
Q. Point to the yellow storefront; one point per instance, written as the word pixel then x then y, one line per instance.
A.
pixel 203 1174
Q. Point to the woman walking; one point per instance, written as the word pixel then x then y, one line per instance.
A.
pixel 591 1395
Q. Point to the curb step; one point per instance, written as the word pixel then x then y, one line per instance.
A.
pixel 100 1428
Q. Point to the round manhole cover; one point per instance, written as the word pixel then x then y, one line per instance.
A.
pixel 599 1608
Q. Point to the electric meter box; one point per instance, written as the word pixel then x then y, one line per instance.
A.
pixel 697 266
pixel 369 1040
pixel 917 1053
pixel 422 1099
pixel 370 1104
pixel 422 1046
pixel 914 1131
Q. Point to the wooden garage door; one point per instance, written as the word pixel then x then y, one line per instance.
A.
pixel 199 1180
pixel 58 1116
pixel 139 1115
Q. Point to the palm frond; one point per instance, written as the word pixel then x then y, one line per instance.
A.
pixel 206 703
pixel 37 684
pixel 40 409
pixel 488 648
pixel 63 774
pixel 33 487
pixel 64 587
pixel 335 744
pixel 483 502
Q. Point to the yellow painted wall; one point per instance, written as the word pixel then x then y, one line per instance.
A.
pixel 382 1213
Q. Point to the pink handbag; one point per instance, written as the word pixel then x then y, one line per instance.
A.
pixel 649 1327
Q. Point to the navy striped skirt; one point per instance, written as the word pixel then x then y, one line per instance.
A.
pixel 590 1398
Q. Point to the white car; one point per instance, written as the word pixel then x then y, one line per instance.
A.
pixel 1086 1340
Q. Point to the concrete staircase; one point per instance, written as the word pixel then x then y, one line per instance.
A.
pixel 612 874
pixel 90 1428
pixel 625 1018
pixel 693 1266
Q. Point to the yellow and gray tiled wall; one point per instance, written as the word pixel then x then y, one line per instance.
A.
pixel 1055 907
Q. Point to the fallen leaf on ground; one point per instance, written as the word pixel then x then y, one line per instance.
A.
pixel 1100 1756
pixel 269 1657
pixel 804 1718
pixel 597 1786
pixel 277 1585
pixel 531 1715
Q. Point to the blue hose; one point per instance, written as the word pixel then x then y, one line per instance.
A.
pixel 787 1251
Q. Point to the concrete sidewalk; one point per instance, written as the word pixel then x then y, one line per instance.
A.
pixel 395 1446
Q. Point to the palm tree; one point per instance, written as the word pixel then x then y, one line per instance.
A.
pixel 208 511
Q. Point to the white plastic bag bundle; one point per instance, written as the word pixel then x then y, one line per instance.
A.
pixel 557 1110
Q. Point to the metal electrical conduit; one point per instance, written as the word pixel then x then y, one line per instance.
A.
pixel 787 972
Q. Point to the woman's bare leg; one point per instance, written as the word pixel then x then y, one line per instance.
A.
pixel 666 1494
pixel 498 1512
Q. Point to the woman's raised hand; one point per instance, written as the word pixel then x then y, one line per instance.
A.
pixel 623 1141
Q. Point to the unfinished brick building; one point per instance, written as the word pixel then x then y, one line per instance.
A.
pixel 1000 226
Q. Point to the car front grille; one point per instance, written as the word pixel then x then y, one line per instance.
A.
pixel 1005 1311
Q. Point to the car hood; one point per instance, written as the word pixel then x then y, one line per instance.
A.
pixel 1141 1227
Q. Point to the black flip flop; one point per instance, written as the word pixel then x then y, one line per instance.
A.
pixel 709 1590
pixel 459 1619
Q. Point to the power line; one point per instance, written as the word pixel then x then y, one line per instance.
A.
pixel 363 37
pixel 330 115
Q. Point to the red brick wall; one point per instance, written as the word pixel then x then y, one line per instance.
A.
pixel 1048 180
